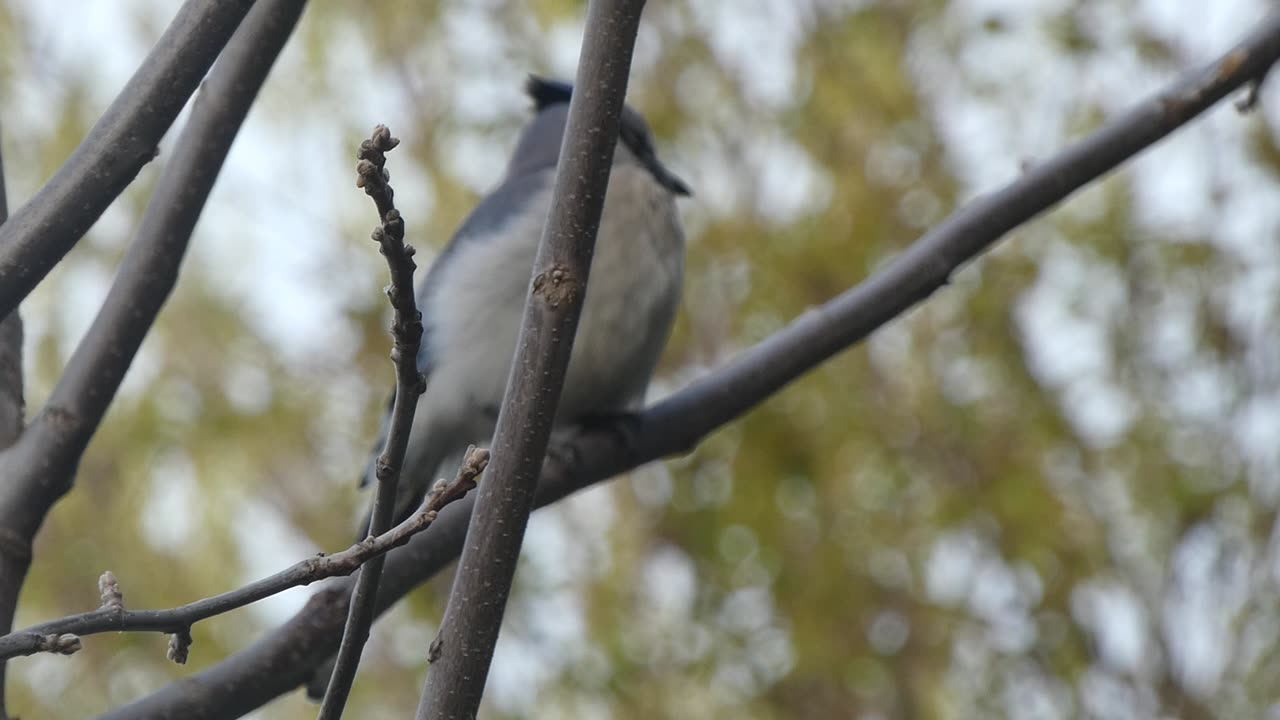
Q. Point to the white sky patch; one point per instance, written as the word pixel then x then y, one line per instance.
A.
pixel 1172 193
pixel 268 543
pixel 477 158
pixel 950 567
pixel 1065 319
pixel 565 46
pixel 173 506
pixel 1101 411
pixel 248 388
pixel 1062 342
pixel 746 611
pixel 1208 587
pixel 85 287
pixel 1217 25
pixel 48 675
pixel 791 184
pixel 1256 426
pixel 759 46
pixel 474 38
pixel 518 671
pixel 550 552
pixel 96 26
pixel 668 583
pixel 1118 621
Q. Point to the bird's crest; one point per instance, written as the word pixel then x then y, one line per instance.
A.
pixel 546 93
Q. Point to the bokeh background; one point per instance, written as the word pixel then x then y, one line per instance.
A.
pixel 1050 492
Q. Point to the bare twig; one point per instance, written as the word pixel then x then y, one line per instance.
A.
pixel 117 147
pixel 464 648
pixel 62 635
pixel 681 421
pixel 406 334
pixel 39 467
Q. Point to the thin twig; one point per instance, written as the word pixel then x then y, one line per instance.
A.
pixel 58 635
pixel 682 420
pixel 406 334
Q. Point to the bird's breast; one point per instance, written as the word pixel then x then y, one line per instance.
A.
pixel 632 293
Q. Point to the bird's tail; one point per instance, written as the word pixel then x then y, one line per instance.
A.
pixel 410 491
pixel 423 463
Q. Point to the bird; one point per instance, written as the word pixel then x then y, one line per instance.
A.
pixel 472 296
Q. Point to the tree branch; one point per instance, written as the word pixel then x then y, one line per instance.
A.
pixel 280 661
pixel 461 653
pixel 406 334
pixel 63 635
pixel 12 404
pixel 13 566
pixel 39 467
pixel 123 140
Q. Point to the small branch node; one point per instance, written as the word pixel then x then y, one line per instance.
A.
pixel 382 140
pixel 109 589
pixel 364 170
pixel 1253 93
pixel 439 487
pixel 179 646
pixel 64 644
pixel 382 468
pixel 556 285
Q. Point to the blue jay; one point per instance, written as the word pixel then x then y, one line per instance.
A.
pixel 472 298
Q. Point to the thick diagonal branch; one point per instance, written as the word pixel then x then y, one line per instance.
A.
pixel 461 654
pixel 681 421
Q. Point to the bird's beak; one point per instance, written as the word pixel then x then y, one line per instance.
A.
pixel 666 178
